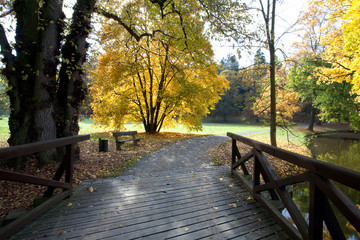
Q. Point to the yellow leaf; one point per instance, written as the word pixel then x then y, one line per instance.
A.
pixel 70 204
pixel 221 179
pixel 136 183
pixel 60 232
pixel 91 189
pixel 179 180
pixel 186 229
pixel 121 225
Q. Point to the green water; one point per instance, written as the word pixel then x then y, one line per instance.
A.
pixel 340 152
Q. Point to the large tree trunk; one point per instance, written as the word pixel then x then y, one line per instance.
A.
pixel 72 89
pixel 42 106
pixel 32 75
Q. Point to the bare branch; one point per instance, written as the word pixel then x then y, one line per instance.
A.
pixel 130 30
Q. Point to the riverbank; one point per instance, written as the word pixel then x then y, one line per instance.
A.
pixel 332 130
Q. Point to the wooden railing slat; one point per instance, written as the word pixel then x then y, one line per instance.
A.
pixel 21 150
pixel 339 174
pixel 242 161
pixel 25 178
pixel 14 226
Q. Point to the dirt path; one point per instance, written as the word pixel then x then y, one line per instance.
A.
pixel 190 154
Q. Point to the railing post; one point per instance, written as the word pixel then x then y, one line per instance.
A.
pixel 316 212
pixel 233 154
pixel 69 165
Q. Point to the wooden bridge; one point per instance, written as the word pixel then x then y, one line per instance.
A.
pixel 190 204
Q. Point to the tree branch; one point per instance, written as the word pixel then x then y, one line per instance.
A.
pixel 130 30
pixel 7 13
pixel 6 51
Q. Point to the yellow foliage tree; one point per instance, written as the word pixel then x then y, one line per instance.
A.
pixel 287 101
pixel 158 80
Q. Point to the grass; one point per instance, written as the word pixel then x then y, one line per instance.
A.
pixel 86 126
pixel 4 129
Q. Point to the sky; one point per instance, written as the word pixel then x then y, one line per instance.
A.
pixel 287 14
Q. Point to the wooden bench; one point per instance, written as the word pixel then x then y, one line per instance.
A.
pixel 122 141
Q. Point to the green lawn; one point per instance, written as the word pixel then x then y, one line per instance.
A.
pixel 208 128
pixel 86 126
pixel 4 128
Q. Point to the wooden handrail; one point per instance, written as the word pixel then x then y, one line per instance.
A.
pixel 322 190
pixel 66 166
pixel 21 150
pixel 339 174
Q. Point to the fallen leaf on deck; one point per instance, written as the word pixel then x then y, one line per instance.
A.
pixel 121 225
pixel 91 189
pixel 60 232
pixel 221 179
pixel 232 205
pixel 136 183
pixel 186 229
pixel 70 204
pixel 179 180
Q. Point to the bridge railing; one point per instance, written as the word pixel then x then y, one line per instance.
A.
pixel 66 166
pixel 324 195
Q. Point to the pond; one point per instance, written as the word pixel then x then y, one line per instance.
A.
pixel 340 152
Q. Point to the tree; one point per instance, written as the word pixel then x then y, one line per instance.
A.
pixel 259 57
pixel 43 69
pixel 230 62
pixel 159 80
pixel 234 101
pixel 287 101
pixel 268 13
pixel 303 80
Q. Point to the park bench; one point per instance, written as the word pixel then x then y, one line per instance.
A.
pixel 122 141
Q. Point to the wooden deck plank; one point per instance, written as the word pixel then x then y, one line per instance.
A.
pixel 185 205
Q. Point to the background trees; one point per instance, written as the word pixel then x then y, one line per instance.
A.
pixel 160 79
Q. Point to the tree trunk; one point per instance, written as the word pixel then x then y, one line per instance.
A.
pixel 272 78
pixel 72 89
pixel 312 119
pixel 37 98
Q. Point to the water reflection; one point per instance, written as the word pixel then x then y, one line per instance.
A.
pixel 340 152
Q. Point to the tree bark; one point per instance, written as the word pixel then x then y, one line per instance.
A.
pixel 312 118
pixel 45 103
pixel 72 89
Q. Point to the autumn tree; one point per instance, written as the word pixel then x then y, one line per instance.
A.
pixel 158 80
pixel 287 100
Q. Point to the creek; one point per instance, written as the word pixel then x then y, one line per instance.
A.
pixel 340 152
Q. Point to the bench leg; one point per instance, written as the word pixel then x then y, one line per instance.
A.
pixel 118 146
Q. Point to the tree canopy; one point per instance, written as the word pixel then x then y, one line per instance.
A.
pixel 165 78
